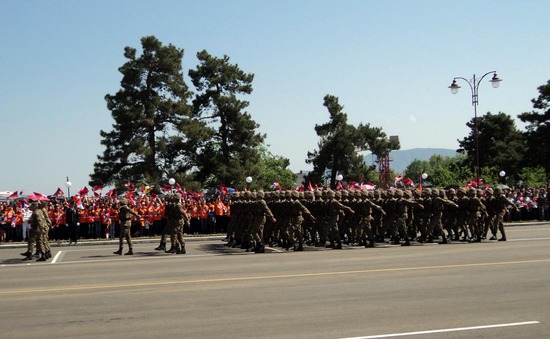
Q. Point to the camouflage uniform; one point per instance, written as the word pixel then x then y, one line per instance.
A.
pixel 125 214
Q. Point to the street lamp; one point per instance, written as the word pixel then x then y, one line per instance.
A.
pixel 68 184
pixel 474 86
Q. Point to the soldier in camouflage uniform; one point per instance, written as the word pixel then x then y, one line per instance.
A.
pixel 364 209
pixel 463 203
pixel 45 232
pixel 177 219
pixel 475 210
pixel 334 212
pixel 489 203
pixel 297 210
pixel 501 204
pixel 125 214
pixel 260 213
pixel 403 205
pixel 436 224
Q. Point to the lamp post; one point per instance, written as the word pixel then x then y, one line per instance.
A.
pixel 68 184
pixel 474 86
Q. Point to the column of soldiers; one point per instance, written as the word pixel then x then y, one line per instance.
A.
pixel 327 218
pixel 40 227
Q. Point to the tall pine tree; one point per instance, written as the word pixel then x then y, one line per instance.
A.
pixel 232 152
pixel 154 135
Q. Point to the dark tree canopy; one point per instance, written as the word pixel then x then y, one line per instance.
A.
pixel 538 130
pixel 339 145
pixel 154 135
pixel 232 152
pixel 501 144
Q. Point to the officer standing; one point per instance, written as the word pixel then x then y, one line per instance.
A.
pixel 125 215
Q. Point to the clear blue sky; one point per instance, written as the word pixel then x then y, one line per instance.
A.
pixel 388 62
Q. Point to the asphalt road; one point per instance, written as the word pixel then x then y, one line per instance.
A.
pixel 487 290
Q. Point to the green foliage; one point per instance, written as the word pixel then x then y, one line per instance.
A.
pixel 154 135
pixel 234 147
pixel 269 169
pixel 339 145
pixel 534 176
pixel 538 130
pixel 501 144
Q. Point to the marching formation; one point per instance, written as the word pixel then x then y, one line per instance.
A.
pixel 327 218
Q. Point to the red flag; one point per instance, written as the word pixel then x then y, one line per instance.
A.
pixel 129 186
pixel 84 191
pixel 98 188
pixel 59 192
pixel 96 194
pixel 309 187
pixel 13 195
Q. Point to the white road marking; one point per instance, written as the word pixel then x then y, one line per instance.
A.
pixel 54 260
pixel 445 330
pixel 529 239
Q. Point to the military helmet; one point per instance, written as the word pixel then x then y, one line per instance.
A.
pixel 331 193
pixel 489 190
pixel 260 194
pixel 295 194
pixel 498 190
pixel 452 191
pixel 435 192
pixel 399 193
pixel 123 201
pixel 408 193
pixel 344 193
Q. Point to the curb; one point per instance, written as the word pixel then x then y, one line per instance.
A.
pixel 113 241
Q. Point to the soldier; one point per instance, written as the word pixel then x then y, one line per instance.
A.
pixel 501 204
pixel 334 211
pixel 403 205
pixel 297 210
pixel 438 205
pixel 125 214
pixel 364 208
pixel 475 209
pixel 260 212
pixel 489 202
pixel 34 233
pixel 463 203
pixel 45 229
pixel 176 218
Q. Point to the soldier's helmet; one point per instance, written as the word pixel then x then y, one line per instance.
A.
pixel 426 192
pixel 123 202
pixel 338 194
pixel 435 192
pixel 331 194
pixel 408 193
pixel 260 194
pixel 344 193
pixel 498 190
pixel 294 194
pixel 399 193
pixel 452 192
pixel 177 196
pixel 472 192
pixel 479 192
pixel 364 193
pixel 489 191
pixel 248 194
pixel 317 193
pixel 236 195
pixel 462 190
pixel 389 193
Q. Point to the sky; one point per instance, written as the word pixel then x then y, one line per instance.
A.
pixel 389 63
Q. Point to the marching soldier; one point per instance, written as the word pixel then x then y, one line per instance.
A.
pixel 125 215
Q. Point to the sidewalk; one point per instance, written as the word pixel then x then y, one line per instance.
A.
pixel 114 241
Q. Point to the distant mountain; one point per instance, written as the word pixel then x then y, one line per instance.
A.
pixel 401 159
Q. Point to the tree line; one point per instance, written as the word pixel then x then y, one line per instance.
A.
pixel 203 138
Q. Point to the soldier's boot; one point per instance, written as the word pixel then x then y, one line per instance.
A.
pixel 299 248
pixel 260 248
pixel 119 252
pixel 337 246
pixel 48 255
pixel 173 249
pixel 161 247
pixel 26 254
pixel 430 240
pixel 28 257
pixel 130 252
pixel 493 238
pixel 42 257
pixel 370 244
pixel 244 246
pixel 502 239
pixel 36 254
pixel 443 241
pixel 182 250
pixel 251 248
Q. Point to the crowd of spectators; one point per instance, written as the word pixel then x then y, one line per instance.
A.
pixel 98 217
pixel 532 204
